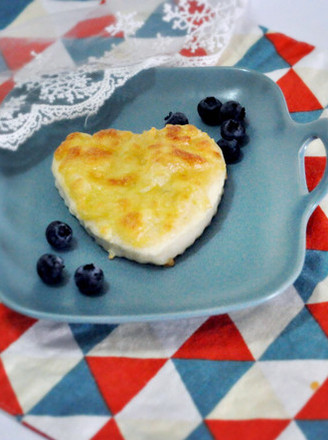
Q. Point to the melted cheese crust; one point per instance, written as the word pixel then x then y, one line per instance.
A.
pixel 137 194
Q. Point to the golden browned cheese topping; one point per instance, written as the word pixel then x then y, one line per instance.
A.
pixel 140 187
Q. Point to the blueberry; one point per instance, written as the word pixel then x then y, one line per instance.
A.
pixel 232 129
pixel 232 110
pixel 230 150
pixel 209 110
pixel 89 279
pixel 177 118
pixel 50 268
pixel 59 234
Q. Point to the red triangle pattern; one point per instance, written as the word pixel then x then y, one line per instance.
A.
pixel 19 51
pixel 320 313
pixel 120 379
pixel 8 399
pixel 109 432
pixel 289 49
pixel 317 231
pixel 12 326
pixel 37 431
pixel 317 228
pixel 298 96
pixel 199 52
pixel 93 27
pixel 195 10
pixel 257 429
pixel 5 88
pixel 217 339
pixel 314 169
pixel 316 408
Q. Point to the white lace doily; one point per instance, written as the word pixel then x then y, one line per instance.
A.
pixel 52 87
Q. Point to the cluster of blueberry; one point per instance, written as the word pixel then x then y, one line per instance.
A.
pixel 230 115
pixel 88 278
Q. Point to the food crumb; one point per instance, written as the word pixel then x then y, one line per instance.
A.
pixel 111 255
pixel 314 385
pixel 170 263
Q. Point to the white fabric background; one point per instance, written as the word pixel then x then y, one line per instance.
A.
pixel 301 19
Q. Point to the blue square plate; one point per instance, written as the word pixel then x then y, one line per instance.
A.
pixel 253 249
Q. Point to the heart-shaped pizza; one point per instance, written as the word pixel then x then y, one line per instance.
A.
pixel 146 197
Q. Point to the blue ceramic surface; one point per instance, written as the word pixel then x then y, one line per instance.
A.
pixel 253 249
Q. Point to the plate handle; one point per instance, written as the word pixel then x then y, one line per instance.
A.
pixel 317 129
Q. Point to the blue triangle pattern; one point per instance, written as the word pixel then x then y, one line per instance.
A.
pixel 10 10
pixel 315 269
pixel 200 433
pixel 89 335
pixel 69 398
pixel 291 343
pixel 155 24
pixel 80 49
pixel 208 381
pixel 263 57
pixel 314 429
pixel 303 117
